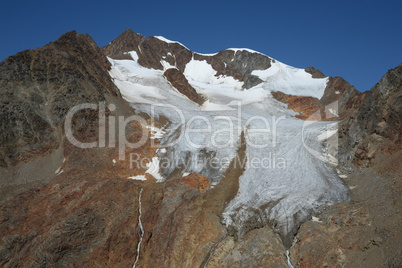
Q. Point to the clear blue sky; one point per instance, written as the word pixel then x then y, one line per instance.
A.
pixel 358 40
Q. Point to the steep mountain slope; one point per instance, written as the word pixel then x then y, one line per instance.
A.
pixel 38 88
pixel 375 128
pixel 365 232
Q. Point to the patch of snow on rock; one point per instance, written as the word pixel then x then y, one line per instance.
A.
pixel 138 178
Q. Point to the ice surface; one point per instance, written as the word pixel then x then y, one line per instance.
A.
pixel 134 55
pixel 327 134
pixel 200 72
pixel 292 179
pixel 289 183
pixel 131 79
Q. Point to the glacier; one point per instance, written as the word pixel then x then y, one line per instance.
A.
pixel 283 183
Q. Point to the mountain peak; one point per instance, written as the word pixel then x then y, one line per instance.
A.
pixel 126 41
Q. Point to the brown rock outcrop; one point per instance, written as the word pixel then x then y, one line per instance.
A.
pixel 309 108
pixel 197 181
pixel 179 82
pixel 314 72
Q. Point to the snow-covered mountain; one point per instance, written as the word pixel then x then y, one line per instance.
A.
pixel 289 173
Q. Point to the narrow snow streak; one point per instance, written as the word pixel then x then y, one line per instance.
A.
pixel 288 259
pixel 141 228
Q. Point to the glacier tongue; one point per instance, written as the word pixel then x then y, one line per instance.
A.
pixel 283 182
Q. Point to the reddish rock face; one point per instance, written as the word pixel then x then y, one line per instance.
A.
pixel 309 108
pixel 196 181
pixel 339 95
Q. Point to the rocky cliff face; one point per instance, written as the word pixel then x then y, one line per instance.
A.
pixel 375 128
pixel 38 87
